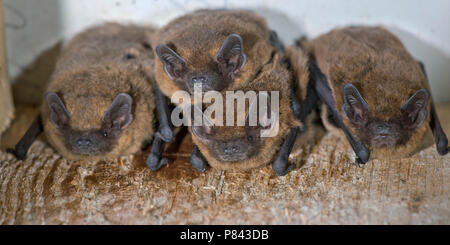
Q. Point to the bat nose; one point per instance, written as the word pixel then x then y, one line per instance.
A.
pixel 229 150
pixel 84 143
pixel 199 79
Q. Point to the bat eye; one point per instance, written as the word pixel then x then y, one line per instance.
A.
pixel 105 134
pixel 250 138
pixel 130 56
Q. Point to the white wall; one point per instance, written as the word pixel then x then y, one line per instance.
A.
pixel 33 26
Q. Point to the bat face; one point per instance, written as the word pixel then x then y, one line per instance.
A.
pixel 244 143
pixel 217 75
pixel 236 143
pixel 379 133
pixel 91 142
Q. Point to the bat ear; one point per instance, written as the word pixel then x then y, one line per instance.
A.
pixel 355 107
pixel 59 115
pixel 231 57
pixel 118 115
pixel 414 111
pixel 202 130
pixel 174 65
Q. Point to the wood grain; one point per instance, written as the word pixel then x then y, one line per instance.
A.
pixel 328 189
pixel 6 104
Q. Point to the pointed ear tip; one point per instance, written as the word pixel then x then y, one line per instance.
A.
pixel 161 48
pixel 125 95
pixel 235 36
pixel 49 95
pixel 349 86
pixel 424 91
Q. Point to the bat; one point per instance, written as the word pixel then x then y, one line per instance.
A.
pixel 374 92
pixel 217 49
pixel 243 147
pixel 99 103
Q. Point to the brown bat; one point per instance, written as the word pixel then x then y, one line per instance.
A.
pixel 99 102
pixel 219 49
pixel 374 91
pixel 242 147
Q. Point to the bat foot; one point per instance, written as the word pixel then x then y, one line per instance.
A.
pixel 198 163
pixel 20 155
pixel 442 146
pixel 282 171
pixel 154 162
pixel 166 134
pixel 281 166
pixel 362 153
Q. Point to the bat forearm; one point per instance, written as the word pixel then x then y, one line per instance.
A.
pixel 198 160
pixel 310 103
pixel 280 165
pixel 165 131
pixel 324 93
pixel 296 106
pixel 154 159
pixel 276 42
pixel 27 140
pixel 439 135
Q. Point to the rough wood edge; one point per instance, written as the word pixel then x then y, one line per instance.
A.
pixel 6 102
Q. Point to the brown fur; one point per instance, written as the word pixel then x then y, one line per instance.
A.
pixel 274 77
pixel 92 71
pixel 197 37
pixel 379 66
pixel 298 64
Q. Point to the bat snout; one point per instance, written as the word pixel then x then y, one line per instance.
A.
pixel 201 82
pixel 84 143
pixel 199 79
pixel 230 150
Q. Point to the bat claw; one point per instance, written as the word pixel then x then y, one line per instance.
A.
pixel 19 155
pixel 201 170
pixel 281 167
pixel 444 151
pixel 283 172
pixel 442 146
pixel 155 162
pixel 198 163
pixel 362 153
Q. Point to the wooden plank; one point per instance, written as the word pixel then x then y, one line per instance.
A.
pixel 6 104
pixel 327 189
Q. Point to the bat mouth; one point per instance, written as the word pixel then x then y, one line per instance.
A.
pixel 86 151
pixel 202 88
pixel 233 158
pixel 384 140
pixel 383 136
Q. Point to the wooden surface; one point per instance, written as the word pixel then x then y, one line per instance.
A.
pixel 6 105
pixel 328 188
